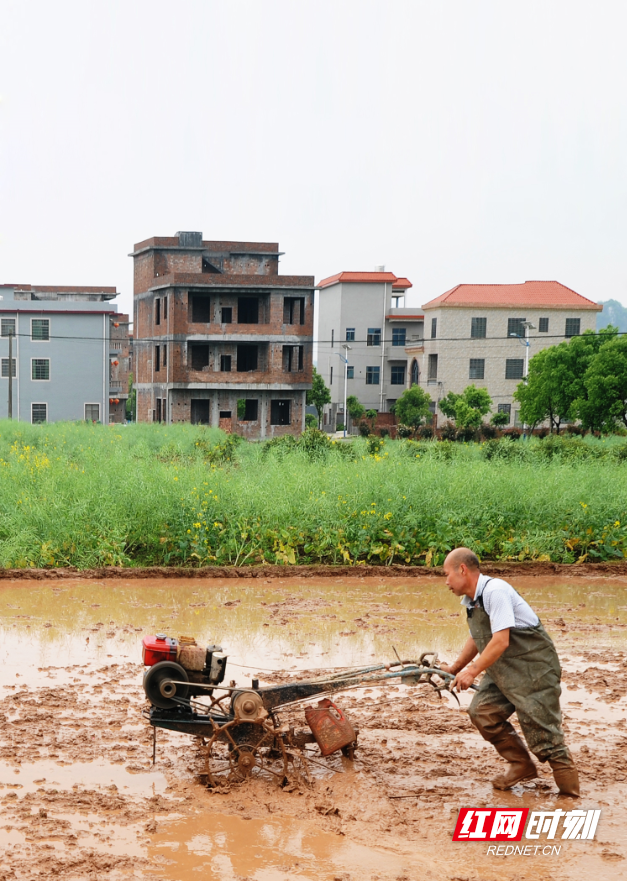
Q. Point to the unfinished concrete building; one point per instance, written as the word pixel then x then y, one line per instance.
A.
pixel 220 338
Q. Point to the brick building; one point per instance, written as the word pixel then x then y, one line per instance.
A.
pixel 121 349
pixel 220 338
pixel 474 333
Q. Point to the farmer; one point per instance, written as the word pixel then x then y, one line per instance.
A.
pixel 522 674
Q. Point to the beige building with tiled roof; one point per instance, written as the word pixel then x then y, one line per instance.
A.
pixel 475 333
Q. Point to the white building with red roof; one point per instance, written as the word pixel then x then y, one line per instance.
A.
pixel 475 333
pixel 362 316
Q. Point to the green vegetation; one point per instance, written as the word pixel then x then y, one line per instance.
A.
pixel 318 395
pixel 89 495
pixel 584 378
pixel 412 408
pixel 467 409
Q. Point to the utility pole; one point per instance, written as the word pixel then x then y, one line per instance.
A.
pixel 345 359
pixel 10 374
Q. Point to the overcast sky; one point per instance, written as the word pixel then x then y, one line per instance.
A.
pixel 451 141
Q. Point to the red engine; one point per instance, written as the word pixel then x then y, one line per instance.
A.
pixel 158 648
pixel 179 668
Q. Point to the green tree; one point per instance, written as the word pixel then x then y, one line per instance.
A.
pixel 371 416
pixel 467 409
pixel 499 419
pixel 606 386
pixel 355 409
pixel 412 408
pixel 554 389
pixel 131 402
pixel 318 395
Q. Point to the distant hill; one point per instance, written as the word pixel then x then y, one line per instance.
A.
pixel 613 313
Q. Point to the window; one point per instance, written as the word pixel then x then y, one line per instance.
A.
pixel 165 308
pixel 248 310
pixel 200 356
pixel 280 412
pixel 350 334
pixel 331 375
pixel 8 327
pixel 415 373
pixel 247 358
pixel 543 325
pixel 477 368
pixel 251 410
pixel 292 359
pixel 399 334
pixel 200 309
pixel 516 326
pixel 40 329
pixel 38 413
pixel 227 315
pixel 164 355
pixel 506 408
pixel 225 363
pixel 432 373
pixel 434 328
pixel 92 412
pixel 157 359
pixel 372 375
pixel 5 368
pixel 573 327
pixel 294 310
pixel 200 411
pixel 514 368
pixel 332 338
pixel 40 368
pixel 374 336
pixel 478 328
pixel 157 315
pixel 350 372
pixel 397 376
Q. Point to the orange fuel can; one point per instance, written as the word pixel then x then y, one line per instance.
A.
pixel 329 726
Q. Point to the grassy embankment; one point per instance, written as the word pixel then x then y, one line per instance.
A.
pixel 88 496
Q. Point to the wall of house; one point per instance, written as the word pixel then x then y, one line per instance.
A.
pixel 455 347
pixel 78 354
pixel 360 305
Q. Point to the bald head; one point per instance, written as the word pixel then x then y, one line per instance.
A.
pixel 461 568
pixel 465 556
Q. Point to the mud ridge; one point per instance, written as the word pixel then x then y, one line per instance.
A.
pixel 510 569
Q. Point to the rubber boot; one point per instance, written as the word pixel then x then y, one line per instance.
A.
pixel 521 765
pixel 566 776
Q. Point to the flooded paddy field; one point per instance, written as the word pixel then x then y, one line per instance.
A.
pixel 80 797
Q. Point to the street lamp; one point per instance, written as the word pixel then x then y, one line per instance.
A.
pixel 345 360
pixel 526 342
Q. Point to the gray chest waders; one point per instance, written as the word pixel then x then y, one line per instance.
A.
pixel 525 680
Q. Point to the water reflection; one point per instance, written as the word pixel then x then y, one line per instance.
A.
pixel 280 624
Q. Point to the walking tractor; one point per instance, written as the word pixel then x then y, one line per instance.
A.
pixel 240 727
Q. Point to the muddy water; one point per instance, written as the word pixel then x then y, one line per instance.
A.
pixel 79 797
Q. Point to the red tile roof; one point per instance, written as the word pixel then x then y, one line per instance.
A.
pixel 401 283
pixel 365 278
pixel 530 294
